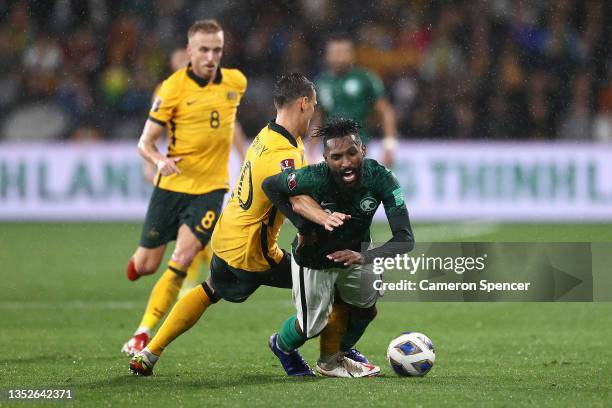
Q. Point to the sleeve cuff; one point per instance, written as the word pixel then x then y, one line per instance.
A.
pixel 159 122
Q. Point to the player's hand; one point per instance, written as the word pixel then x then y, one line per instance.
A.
pixel 335 220
pixel 347 257
pixel 168 165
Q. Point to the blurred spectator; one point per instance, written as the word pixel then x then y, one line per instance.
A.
pixel 114 83
pixel 443 57
pixel 577 124
pixel 73 95
pixel 19 29
pixel 42 62
pixel 81 54
pixel 123 40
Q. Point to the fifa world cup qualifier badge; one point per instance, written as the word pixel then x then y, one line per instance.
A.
pixel 291 181
pixel 287 164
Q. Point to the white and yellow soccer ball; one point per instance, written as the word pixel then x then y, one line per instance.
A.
pixel 411 354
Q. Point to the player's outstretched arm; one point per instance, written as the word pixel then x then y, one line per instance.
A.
pixel 280 200
pixel 302 209
pixel 148 149
pixel 308 208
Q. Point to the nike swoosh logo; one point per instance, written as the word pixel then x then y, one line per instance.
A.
pixel 189 103
pixel 323 203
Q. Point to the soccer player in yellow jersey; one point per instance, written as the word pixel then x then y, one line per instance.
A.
pixel 197 107
pixel 179 58
pixel 245 250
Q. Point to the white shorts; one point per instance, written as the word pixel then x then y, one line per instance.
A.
pixel 313 292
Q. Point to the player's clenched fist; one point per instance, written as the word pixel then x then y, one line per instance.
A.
pixel 167 166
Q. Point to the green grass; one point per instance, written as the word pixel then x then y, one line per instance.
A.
pixel 66 309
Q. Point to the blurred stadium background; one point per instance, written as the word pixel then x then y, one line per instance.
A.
pixel 482 70
pixel 505 124
pixel 504 108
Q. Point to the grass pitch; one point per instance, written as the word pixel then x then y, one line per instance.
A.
pixel 66 309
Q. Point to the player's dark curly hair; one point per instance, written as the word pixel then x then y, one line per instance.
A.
pixel 337 128
pixel 289 87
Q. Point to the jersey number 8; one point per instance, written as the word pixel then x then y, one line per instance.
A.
pixel 208 219
pixel 215 120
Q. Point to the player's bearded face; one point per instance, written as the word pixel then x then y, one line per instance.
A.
pixel 344 157
pixel 205 51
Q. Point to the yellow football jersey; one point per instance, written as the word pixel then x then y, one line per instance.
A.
pixel 199 117
pixel 246 233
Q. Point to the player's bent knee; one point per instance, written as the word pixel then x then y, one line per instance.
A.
pixel 146 266
pixel 184 257
pixel 147 260
pixel 185 252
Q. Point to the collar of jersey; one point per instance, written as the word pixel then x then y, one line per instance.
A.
pixel 201 81
pixel 282 131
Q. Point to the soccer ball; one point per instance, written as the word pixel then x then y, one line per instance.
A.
pixel 411 354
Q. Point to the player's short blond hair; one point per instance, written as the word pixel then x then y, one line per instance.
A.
pixel 206 26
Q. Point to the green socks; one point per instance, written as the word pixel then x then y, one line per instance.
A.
pixel 289 338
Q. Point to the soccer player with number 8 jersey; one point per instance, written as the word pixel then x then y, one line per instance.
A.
pixel 197 106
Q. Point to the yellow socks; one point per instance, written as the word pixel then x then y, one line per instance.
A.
pixel 332 334
pixel 163 295
pixel 183 315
